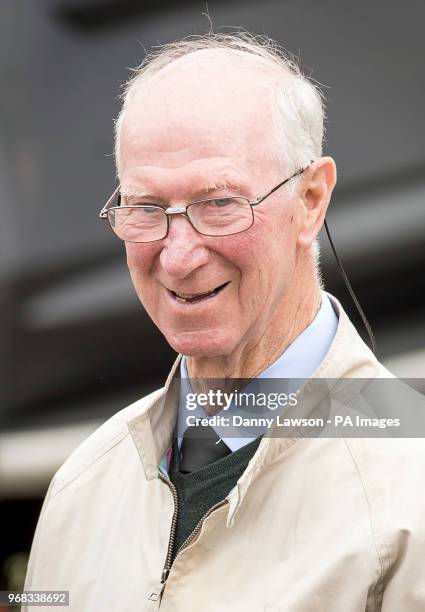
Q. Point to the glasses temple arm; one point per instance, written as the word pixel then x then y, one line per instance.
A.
pixel 110 201
pixel 260 199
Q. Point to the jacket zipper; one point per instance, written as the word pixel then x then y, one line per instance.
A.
pixel 157 594
pixel 167 565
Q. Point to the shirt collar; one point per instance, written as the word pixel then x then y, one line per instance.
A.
pixel 298 362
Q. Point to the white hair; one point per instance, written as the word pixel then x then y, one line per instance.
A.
pixel 297 103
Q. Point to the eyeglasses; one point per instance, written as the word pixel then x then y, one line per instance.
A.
pixel 212 217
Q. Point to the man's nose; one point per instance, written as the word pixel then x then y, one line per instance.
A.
pixel 184 250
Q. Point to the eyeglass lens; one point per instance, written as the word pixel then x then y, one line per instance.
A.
pixel 216 217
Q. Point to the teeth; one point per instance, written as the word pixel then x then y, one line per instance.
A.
pixel 188 296
pixel 194 297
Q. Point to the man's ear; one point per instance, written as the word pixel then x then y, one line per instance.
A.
pixel 315 194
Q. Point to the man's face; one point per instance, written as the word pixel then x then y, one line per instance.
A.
pixel 191 135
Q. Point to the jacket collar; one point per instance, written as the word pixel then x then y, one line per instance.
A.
pixel 348 357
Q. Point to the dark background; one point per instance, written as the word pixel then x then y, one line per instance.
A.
pixel 76 345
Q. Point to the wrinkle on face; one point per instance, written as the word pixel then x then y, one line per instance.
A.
pixel 201 177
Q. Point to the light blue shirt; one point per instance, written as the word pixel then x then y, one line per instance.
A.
pixel 296 364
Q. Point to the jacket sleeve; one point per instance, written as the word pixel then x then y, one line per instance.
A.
pixel 36 557
pixel 404 584
pixel 391 472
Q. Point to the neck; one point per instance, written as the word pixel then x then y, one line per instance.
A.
pixel 290 318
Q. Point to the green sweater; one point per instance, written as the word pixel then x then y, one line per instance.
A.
pixel 198 491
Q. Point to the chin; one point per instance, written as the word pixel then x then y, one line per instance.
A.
pixel 206 343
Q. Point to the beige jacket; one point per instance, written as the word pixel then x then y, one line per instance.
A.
pixel 313 525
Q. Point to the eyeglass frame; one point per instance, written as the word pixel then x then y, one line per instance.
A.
pixel 180 210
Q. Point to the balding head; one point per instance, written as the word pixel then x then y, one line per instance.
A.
pixel 231 69
pixel 212 100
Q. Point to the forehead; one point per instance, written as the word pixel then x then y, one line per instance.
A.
pixel 204 105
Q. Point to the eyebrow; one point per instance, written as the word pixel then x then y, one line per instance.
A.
pixel 135 194
pixel 220 183
pixel 223 182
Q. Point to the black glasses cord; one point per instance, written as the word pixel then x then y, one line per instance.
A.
pixel 351 291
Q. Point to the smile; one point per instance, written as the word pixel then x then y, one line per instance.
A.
pixel 190 298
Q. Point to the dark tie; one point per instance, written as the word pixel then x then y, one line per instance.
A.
pixel 200 446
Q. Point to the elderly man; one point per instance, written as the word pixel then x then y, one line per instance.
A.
pixel 222 193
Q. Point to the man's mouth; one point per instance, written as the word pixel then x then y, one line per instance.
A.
pixel 190 298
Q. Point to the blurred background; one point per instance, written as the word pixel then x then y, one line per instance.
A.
pixel 75 343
